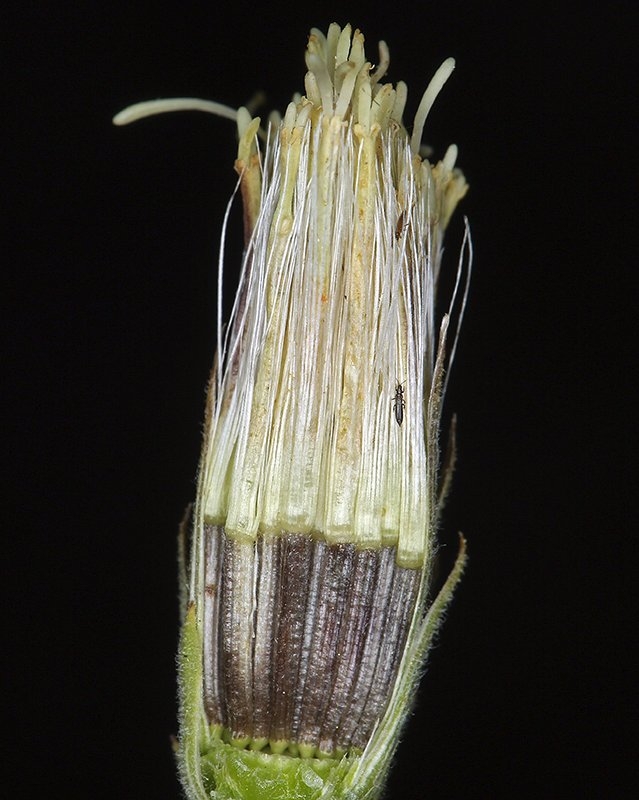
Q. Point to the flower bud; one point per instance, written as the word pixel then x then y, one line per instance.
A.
pixel 311 541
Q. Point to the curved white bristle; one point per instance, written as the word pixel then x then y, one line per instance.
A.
pixel 150 108
pixel 384 61
pixel 428 98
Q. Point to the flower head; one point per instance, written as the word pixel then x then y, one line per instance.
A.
pixel 313 529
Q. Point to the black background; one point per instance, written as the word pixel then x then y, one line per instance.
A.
pixel 111 269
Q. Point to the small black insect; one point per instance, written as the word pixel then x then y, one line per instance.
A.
pixel 400 226
pixel 400 404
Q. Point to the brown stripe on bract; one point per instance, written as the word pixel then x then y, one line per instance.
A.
pixel 211 616
pixel 330 615
pixel 304 640
pixel 265 640
pixel 370 648
pixel 313 590
pixel 396 624
pixel 354 632
pixel 237 636
pixel 293 600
